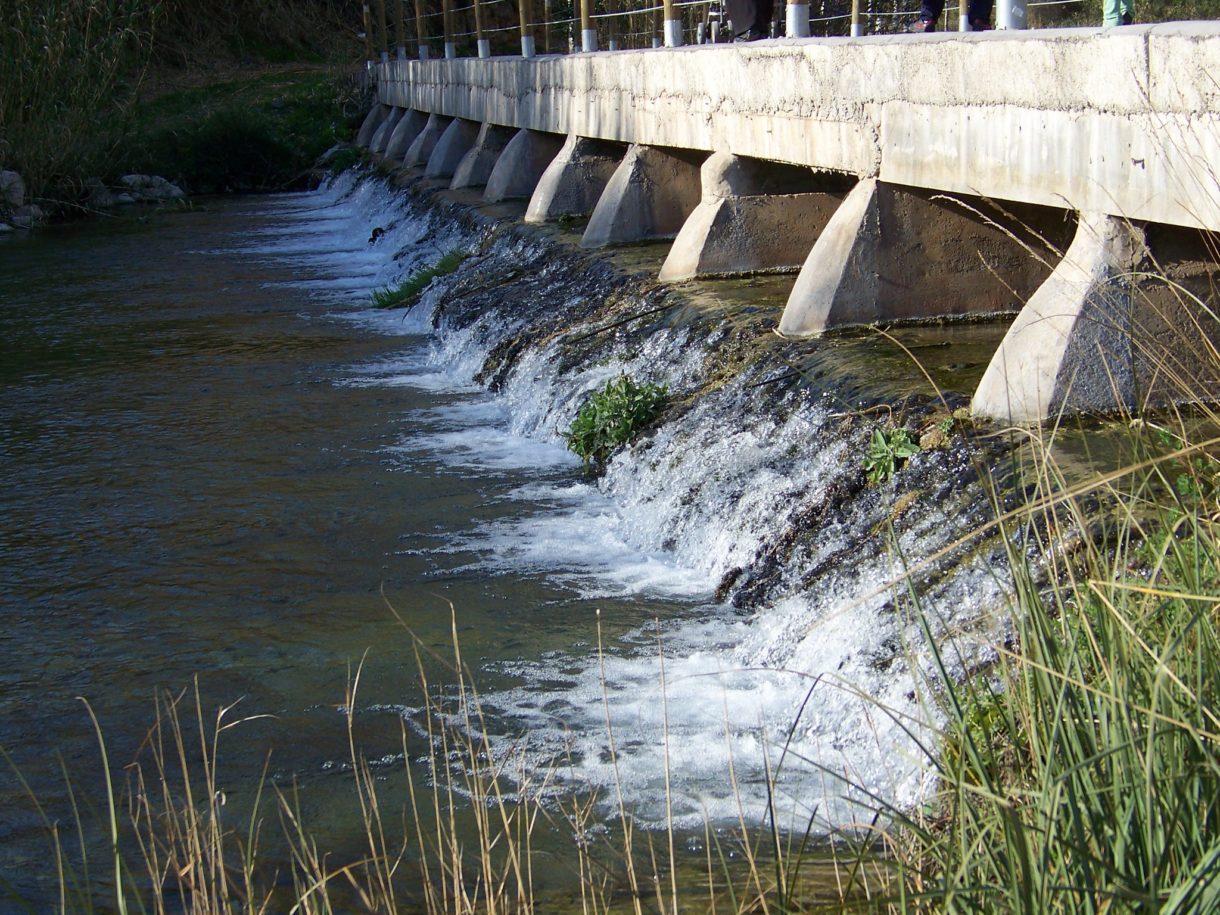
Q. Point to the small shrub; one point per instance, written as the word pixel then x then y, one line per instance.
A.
pixel 887 451
pixel 613 416
pixel 409 291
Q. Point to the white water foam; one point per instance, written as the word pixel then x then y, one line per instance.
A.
pixel 818 697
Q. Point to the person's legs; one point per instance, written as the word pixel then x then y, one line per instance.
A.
pixel 763 10
pixel 929 13
pixel 1111 13
pixel 979 14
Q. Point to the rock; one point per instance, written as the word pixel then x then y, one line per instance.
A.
pixel 136 182
pixel 12 190
pixel 28 216
pixel 933 437
pixel 150 188
pixel 100 196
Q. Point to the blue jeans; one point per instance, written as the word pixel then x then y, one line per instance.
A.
pixel 930 10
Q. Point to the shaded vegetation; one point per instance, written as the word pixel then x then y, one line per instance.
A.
pixel 263 133
pixel 74 78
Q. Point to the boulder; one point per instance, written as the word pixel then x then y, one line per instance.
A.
pixel 12 190
pixel 28 216
pixel 150 188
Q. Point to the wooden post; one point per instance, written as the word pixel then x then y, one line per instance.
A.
pixel 673 25
pixel 483 44
pixel 447 17
pixel 419 30
pixel 525 9
pixel 368 37
pixel 546 26
pixel 384 44
pixel 612 26
pixel 400 29
pixel 857 27
pixel 588 32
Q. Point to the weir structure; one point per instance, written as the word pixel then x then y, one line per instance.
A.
pixel 1068 177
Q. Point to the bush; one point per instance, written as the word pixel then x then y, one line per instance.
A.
pixel 613 416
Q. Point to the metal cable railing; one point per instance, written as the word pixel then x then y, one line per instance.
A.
pixel 486 27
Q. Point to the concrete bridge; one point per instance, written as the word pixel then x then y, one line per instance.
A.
pixel 1069 176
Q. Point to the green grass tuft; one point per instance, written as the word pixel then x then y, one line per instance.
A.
pixel 408 292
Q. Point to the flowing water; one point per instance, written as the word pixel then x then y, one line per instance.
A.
pixel 219 465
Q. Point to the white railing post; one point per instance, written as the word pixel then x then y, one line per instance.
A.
pixel 1010 14
pixel 796 20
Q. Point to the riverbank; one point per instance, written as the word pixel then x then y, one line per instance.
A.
pixel 241 98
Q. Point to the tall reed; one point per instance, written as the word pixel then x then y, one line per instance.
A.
pixel 69 70
pixel 1082 772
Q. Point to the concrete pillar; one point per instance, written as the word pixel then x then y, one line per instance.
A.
pixel 650 195
pixel 899 254
pixel 452 145
pixel 521 165
pixel 754 216
pixel 1070 348
pixel 381 136
pixel 480 159
pixel 575 179
pixel 372 121
pixel 420 150
pixel 408 128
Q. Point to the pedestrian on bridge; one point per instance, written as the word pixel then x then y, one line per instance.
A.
pixel 978 12
pixel 1117 12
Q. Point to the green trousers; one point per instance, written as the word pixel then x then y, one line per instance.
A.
pixel 1112 11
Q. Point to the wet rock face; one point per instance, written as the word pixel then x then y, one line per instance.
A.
pixel 12 191
pixel 132 189
pixel 12 201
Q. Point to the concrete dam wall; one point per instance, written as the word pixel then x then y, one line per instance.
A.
pixel 1058 174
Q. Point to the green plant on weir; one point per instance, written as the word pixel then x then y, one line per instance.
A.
pixel 613 416
pixel 408 292
pixel 888 450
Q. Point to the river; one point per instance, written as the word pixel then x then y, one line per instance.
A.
pixel 220 466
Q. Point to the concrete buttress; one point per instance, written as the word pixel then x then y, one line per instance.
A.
pixel 754 216
pixel 650 195
pixel 452 145
pixel 891 253
pixel 476 166
pixel 520 167
pixel 575 179
pixel 372 121
pixel 409 127
pixel 381 136
pixel 420 150
pixel 1070 348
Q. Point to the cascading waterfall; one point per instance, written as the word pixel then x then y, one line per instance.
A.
pixel 799 657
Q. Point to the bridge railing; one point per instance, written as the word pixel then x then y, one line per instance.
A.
pixel 483 28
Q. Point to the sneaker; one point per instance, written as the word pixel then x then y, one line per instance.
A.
pixel 922 26
pixel 1127 19
pixel 980 25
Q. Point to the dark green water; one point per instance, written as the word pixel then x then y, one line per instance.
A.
pixel 198 483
